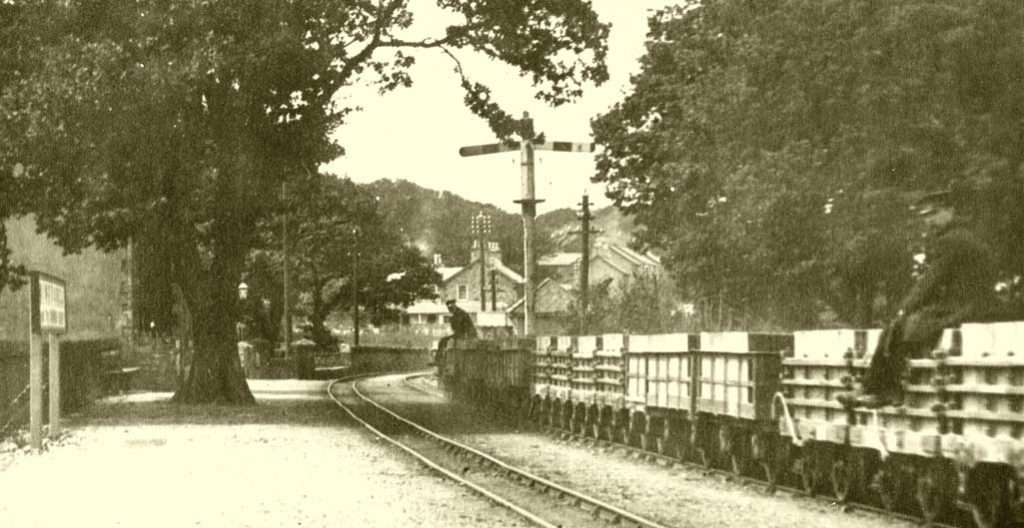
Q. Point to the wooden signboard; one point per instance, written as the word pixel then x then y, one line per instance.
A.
pixel 49 317
pixel 49 304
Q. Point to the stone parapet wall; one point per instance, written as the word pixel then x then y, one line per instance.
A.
pixel 382 359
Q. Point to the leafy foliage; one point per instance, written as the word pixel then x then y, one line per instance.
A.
pixel 635 305
pixel 773 150
pixel 171 124
pixel 345 252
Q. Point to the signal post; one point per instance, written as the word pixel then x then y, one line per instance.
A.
pixel 529 141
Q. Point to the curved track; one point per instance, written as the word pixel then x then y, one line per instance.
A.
pixel 538 500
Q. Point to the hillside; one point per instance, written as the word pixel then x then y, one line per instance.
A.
pixel 613 227
pixel 439 222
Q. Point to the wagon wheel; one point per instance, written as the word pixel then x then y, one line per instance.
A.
pixel 771 474
pixel 806 470
pixel 886 486
pixel 681 443
pixel 988 511
pixel 989 502
pixel 738 462
pixel 595 427
pixel 844 479
pixel 663 443
pixel 643 440
pixel 934 491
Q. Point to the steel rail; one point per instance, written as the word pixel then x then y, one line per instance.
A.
pixel 655 458
pixel 577 498
pixel 658 458
pixel 432 465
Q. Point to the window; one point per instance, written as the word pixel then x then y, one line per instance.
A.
pixel 431 319
pixel 463 292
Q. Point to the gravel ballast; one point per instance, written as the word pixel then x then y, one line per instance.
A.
pixel 681 496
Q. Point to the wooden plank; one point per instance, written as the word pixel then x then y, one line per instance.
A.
pixel 493 148
pixel 565 146
pixel 54 385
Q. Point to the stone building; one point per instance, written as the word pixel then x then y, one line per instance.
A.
pixel 503 288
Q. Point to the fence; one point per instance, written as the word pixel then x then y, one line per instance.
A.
pixel 80 375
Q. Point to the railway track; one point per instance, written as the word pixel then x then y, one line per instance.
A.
pixel 667 461
pixel 538 500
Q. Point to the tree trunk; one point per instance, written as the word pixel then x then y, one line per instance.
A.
pixel 216 375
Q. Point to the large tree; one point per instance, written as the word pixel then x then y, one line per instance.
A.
pixel 13 49
pixel 172 123
pixel 774 149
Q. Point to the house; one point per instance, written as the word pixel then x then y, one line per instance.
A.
pixel 607 261
pixel 503 288
pixel 552 305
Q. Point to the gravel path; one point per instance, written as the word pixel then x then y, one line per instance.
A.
pixel 290 461
pixel 680 497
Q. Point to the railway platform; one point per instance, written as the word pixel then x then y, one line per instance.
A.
pixel 293 460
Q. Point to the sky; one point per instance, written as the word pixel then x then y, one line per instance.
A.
pixel 415 133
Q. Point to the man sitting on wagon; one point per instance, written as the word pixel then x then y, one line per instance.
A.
pixel 462 328
pixel 957 285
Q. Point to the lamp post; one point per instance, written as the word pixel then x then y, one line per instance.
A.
pixel 287 315
pixel 240 326
pixel 355 286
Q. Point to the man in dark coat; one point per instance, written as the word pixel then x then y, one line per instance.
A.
pixel 461 323
pixel 956 286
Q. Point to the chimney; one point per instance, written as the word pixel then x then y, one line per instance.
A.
pixel 493 252
pixel 437 260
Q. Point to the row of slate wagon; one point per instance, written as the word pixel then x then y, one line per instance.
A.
pixel 763 405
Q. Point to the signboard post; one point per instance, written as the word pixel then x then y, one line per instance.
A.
pixel 48 316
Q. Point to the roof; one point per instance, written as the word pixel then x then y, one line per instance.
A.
pixel 447 271
pixel 560 259
pixel 632 256
pixel 517 306
pixel 517 278
pixel 611 264
pixel 501 268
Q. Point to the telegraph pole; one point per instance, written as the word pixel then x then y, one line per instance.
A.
pixel 481 227
pixel 494 290
pixel 528 142
pixel 585 232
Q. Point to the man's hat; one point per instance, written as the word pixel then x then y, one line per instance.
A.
pixel 450 301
